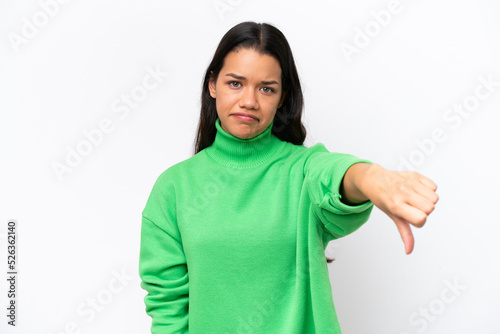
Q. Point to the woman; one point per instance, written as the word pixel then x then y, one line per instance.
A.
pixel 233 238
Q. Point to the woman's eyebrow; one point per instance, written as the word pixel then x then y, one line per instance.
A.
pixel 239 77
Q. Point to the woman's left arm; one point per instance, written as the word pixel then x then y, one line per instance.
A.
pixel 406 197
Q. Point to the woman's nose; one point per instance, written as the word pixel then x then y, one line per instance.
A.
pixel 248 99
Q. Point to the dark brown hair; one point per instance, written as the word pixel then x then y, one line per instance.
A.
pixel 265 39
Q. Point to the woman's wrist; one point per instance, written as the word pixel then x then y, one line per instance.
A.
pixel 353 185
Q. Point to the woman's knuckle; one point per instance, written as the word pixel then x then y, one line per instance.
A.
pixel 393 206
pixel 403 188
pixel 420 221
pixel 436 198
pixel 429 208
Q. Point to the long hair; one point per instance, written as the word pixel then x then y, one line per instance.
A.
pixel 265 39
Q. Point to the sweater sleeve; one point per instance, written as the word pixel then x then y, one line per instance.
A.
pixel 162 264
pixel 324 172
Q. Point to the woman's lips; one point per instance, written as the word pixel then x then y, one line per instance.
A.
pixel 245 118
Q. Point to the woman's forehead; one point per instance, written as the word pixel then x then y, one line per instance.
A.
pixel 249 64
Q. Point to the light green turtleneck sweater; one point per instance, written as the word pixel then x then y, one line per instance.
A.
pixel 233 238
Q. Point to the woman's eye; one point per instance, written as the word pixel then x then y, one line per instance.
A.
pixel 269 90
pixel 234 82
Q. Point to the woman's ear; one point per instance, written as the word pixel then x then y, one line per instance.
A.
pixel 211 85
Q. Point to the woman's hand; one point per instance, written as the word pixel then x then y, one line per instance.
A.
pixel 406 197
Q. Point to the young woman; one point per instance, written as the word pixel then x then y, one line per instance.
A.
pixel 233 238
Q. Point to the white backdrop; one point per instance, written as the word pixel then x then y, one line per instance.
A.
pixel 97 98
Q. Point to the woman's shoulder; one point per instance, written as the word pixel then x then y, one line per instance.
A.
pixel 302 151
pixel 182 166
pixel 302 156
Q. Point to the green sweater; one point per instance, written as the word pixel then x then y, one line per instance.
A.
pixel 233 238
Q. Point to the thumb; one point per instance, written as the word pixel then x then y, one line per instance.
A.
pixel 406 233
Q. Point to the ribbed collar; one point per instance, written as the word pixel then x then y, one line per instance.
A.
pixel 232 151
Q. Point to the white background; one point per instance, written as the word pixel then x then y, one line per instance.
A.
pixel 80 231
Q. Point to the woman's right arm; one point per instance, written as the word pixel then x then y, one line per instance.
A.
pixel 162 265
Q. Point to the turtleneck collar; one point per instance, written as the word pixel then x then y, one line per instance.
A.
pixel 232 151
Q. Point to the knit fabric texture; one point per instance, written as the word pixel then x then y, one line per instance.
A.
pixel 233 238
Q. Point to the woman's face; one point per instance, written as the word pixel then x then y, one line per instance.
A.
pixel 249 83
